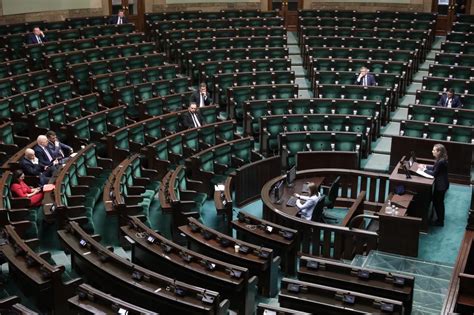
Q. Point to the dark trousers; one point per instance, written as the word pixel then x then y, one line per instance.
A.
pixel 438 204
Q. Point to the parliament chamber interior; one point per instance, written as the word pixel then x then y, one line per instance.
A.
pixel 265 157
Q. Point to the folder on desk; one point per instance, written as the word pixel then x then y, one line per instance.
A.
pixel 424 174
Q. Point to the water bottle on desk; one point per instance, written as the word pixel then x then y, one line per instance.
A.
pixel 388 208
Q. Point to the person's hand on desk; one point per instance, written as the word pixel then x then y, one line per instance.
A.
pixel 422 167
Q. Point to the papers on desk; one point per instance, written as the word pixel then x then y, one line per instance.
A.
pixel 219 187
pixel 422 173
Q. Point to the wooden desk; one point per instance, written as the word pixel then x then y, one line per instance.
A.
pixel 420 205
pixel 296 188
pixel 254 230
pixel 265 268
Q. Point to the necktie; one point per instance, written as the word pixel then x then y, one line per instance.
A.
pixel 448 103
pixel 119 20
pixel 50 158
pixel 364 80
pixel 196 121
pixel 201 102
pixel 38 39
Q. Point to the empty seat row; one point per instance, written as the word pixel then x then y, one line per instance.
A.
pixel 457 48
pixel 290 143
pixel 161 26
pixel 173 35
pixel 447 71
pixel 14 107
pixel 300 106
pixel 220 82
pixel 454 59
pixel 222 14
pixel 437 131
pixel 367 23
pixel 80 73
pixel 104 84
pixel 58 62
pixel 22 83
pixel 452 116
pixel 180 47
pixel 15 67
pixel 131 95
pixel 194 58
pixel 132 283
pixel 272 125
pixel 384 15
pixel 208 69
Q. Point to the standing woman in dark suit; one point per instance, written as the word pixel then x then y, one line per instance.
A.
pixel 441 184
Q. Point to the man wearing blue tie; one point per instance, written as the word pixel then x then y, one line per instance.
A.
pixel 36 37
pixel 364 78
pixel 450 100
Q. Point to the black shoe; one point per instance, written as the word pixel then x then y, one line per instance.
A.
pixel 438 223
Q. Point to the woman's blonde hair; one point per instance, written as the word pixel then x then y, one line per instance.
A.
pixel 313 189
pixel 443 154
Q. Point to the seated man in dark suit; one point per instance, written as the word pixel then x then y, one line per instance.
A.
pixel 201 97
pixel 192 118
pixel 364 78
pixel 36 37
pixel 42 152
pixel 450 100
pixel 31 166
pixel 58 149
pixel 120 18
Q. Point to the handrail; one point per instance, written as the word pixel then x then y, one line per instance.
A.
pixel 365 216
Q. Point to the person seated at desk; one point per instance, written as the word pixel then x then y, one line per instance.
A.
pixel 120 18
pixel 20 189
pixel 306 209
pixel 449 100
pixel 441 183
pixel 364 78
pixel 31 167
pixel 192 118
pixel 201 97
pixel 36 37
pixel 58 149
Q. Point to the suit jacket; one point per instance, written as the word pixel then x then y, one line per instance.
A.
pixel 31 39
pixel 455 102
pixel 187 120
pixel 59 152
pixel 196 98
pixel 29 168
pixel 370 80
pixel 114 19
pixel 440 172
pixel 42 157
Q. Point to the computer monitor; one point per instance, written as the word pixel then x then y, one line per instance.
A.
pixel 291 176
pixel 412 159
pixel 278 191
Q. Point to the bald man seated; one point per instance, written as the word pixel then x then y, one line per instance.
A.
pixel 31 167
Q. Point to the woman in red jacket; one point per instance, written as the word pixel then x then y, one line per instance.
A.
pixel 20 189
